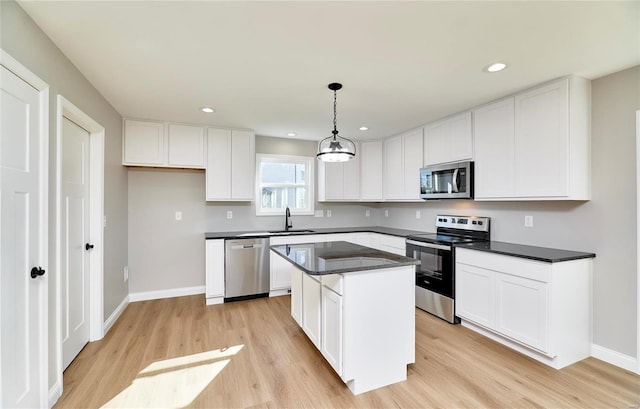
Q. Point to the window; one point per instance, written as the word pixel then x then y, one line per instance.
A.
pixel 284 181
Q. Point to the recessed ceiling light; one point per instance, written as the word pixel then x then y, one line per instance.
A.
pixel 364 128
pixel 207 110
pixel 499 66
pixel 291 134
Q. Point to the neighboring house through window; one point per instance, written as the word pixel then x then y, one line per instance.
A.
pixel 284 181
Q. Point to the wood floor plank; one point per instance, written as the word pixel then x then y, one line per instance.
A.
pixel 179 352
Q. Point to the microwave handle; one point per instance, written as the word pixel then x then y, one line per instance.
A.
pixel 455 180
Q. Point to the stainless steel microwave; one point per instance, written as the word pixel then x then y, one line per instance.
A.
pixel 448 181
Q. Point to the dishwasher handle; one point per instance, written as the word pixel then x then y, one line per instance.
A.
pixel 246 246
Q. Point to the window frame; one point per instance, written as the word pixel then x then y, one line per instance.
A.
pixel 308 161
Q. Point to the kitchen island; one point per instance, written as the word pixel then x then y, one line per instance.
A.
pixel 357 306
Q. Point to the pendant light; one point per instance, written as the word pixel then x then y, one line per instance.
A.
pixel 335 148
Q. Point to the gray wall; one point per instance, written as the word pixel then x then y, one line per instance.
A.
pixel 24 41
pixel 605 225
pixel 165 254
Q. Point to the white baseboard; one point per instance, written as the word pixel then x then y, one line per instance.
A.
pixel 614 358
pixel 55 393
pixel 170 293
pixel 115 315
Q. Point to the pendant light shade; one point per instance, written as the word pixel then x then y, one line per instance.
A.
pixel 335 148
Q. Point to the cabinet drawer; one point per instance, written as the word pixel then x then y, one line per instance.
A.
pixel 516 266
pixel 333 282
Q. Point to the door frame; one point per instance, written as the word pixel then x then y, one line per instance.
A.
pixel 638 241
pixel 42 87
pixel 96 223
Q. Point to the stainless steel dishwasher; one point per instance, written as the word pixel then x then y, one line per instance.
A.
pixel 246 273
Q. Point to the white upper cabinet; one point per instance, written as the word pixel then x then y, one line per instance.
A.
pixel 494 140
pixel 542 141
pixel 339 181
pixel 186 145
pixel 231 160
pixel 449 140
pixel 143 143
pixel 371 171
pixel 535 145
pixel 160 144
pixel 402 162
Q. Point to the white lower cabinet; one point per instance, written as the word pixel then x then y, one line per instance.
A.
pixel 336 310
pixel 331 345
pixel 296 293
pixel 311 308
pixel 214 267
pixel 540 309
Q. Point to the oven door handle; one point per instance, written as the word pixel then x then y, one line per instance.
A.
pixel 428 245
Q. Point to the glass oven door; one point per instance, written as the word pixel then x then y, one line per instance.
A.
pixel 435 272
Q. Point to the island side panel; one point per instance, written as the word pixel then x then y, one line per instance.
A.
pixel 379 327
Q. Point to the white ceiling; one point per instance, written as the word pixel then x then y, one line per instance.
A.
pixel 266 65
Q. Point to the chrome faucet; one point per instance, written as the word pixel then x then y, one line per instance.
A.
pixel 287 219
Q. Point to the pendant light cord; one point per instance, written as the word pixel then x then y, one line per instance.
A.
pixel 335 115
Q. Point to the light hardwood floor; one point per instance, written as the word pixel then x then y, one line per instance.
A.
pixel 137 365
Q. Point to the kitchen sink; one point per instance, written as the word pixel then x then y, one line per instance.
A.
pixel 277 233
pixel 291 231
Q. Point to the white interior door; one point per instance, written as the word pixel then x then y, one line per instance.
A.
pixel 75 244
pixel 22 313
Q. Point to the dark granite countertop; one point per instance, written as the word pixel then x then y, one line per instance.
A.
pixel 268 233
pixel 545 254
pixel 339 257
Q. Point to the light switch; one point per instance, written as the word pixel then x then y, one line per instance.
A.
pixel 386 212
pixel 178 215
pixel 417 214
pixel 367 213
pixel 328 213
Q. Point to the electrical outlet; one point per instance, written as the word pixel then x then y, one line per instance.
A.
pixel 126 274
pixel 367 213
pixel 178 215
pixel 319 213
pixel 528 221
pixel 328 213
pixel 386 212
pixel 229 214
pixel 417 214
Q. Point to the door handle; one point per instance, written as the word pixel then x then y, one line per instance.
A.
pixel 37 271
pixel 88 246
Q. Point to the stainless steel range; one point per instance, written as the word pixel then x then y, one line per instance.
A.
pixel 435 276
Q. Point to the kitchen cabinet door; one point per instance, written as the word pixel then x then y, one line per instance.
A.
pixel 494 150
pixel 393 168
pixel 243 165
pixel 475 294
pixel 339 181
pixel 461 137
pixel 187 147
pixel 280 273
pixel 332 345
pixel 412 154
pixel 311 308
pixel 296 294
pixel 143 143
pixel 522 310
pixel 218 174
pixel 542 141
pixel 448 140
pixel 371 171
pixel 214 268
pixel 330 181
pixel 230 173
